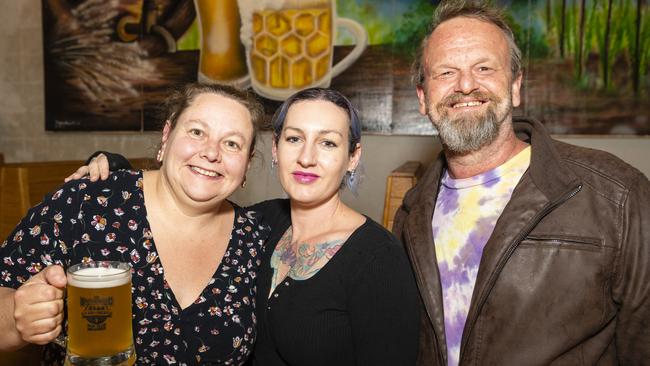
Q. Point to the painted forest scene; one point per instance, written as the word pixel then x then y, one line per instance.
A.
pixel 109 63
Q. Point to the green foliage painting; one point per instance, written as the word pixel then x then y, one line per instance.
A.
pixel 587 67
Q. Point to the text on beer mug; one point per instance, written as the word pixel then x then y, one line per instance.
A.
pixel 99 314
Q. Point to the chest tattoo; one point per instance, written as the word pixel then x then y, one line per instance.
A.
pixel 300 261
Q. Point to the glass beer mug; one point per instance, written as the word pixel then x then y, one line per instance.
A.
pixel 99 315
pixel 289 44
pixel 221 57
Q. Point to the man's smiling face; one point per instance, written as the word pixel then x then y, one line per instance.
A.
pixel 468 90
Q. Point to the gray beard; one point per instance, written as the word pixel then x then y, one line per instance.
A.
pixel 473 132
pixel 468 134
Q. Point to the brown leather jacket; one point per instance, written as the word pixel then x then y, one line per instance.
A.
pixel 564 278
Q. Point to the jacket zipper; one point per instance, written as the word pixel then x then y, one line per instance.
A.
pixel 511 250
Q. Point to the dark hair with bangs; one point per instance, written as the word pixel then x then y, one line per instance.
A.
pixel 326 94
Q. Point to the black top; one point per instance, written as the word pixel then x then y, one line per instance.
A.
pixel 359 309
pixel 107 220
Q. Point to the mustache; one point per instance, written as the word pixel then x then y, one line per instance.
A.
pixel 452 99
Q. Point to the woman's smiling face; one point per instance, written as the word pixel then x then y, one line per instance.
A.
pixel 312 151
pixel 206 155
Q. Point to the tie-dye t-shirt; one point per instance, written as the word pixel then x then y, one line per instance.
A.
pixel 465 215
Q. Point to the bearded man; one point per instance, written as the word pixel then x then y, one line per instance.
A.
pixel 526 250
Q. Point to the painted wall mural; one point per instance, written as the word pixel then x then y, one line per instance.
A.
pixel 109 63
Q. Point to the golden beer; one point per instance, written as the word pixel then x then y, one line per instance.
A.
pixel 222 54
pixel 99 314
pixel 292 47
pixel 290 43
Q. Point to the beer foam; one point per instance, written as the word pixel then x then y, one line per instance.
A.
pixel 248 7
pixel 304 4
pixel 99 277
pixel 246 10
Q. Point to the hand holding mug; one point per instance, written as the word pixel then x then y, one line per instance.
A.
pixel 38 306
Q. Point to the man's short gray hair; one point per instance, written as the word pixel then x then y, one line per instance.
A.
pixel 470 9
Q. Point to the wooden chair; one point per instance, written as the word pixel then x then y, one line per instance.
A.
pixel 398 183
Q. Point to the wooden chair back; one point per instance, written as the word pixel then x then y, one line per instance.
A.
pixel 398 183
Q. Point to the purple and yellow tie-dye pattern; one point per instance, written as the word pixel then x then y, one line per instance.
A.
pixel 464 218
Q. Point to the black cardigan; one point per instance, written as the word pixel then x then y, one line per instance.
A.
pixel 359 309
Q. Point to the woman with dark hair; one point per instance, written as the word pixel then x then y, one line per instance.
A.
pixel 194 255
pixel 334 287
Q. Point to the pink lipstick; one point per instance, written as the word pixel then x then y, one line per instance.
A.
pixel 304 177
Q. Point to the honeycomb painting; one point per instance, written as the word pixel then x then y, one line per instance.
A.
pixel 304 39
pixel 109 63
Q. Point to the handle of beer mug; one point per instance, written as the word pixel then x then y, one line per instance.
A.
pixel 61 340
pixel 360 35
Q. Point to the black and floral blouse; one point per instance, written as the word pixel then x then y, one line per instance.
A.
pixel 86 221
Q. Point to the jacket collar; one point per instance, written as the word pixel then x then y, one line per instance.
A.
pixel 547 170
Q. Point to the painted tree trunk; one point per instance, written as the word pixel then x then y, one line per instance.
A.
pixel 562 25
pixel 606 48
pixel 636 78
pixel 581 39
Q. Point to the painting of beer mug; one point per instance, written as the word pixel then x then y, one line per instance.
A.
pixel 221 57
pixel 289 44
pixel 99 315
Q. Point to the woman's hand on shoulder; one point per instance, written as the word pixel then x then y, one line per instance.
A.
pixel 97 168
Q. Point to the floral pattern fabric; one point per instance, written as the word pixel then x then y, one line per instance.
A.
pixel 86 221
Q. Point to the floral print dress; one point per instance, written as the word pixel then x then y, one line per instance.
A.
pixel 86 221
